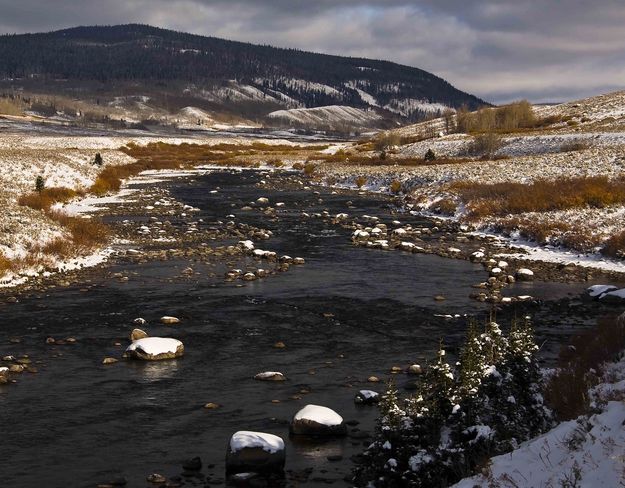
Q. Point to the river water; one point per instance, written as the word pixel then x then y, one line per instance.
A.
pixel 345 315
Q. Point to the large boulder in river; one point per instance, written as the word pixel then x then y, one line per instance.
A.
pixel 317 421
pixel 367 397
pixel 155 349
pixel 596 292
pixel 255 452
pixel 614 297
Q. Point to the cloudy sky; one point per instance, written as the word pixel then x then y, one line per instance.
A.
pixel 500 50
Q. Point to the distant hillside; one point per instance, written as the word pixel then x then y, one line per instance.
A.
pixel 245 79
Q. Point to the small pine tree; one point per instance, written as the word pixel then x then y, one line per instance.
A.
pixel 40 184
pixel 98 161
pixel 429 155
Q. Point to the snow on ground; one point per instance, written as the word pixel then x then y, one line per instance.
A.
pixel 326 115
pixel 586 452
pixel 321 415
pixel 408 106
pixel 246 439
pixel 533 252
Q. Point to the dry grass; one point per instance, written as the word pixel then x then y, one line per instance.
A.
pixel 567 390
pixel 361 181
pixel 501 199
pixel 395 186
pixel 85 233
pixel 444 206
pixel 615 246
pixel 11 106
pixel 5 264
pixel 47 197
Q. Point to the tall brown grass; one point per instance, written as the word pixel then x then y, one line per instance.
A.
pixel 47 197
pixel 5 264
pixel 567 390
pixel 615 246
pixel 500 199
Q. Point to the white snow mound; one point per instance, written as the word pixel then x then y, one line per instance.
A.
pixel 321 415
pixel 267 442
pixel 155 345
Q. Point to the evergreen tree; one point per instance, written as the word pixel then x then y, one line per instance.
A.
pixel 98 161
pixel 429 155
pixel 40 184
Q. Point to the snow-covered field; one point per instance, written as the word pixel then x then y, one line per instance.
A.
pixel 580 150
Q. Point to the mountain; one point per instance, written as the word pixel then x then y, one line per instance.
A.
pixel 173 70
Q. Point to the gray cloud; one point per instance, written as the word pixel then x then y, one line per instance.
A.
pixel 498 49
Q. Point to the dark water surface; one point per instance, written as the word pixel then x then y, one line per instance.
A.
pixel 78 423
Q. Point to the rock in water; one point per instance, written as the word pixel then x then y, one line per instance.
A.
pixel 255 451
pixel 168 320
pixel 137 334
pixel 139 321
pixel 270 376
pixel 525 274
pixel 4 376
pixel 155 349
pixel 314 420
pixel 367 397
pixel 615 297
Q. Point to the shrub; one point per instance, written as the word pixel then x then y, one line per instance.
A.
pixel 615 246
pixel 444 206
pixel 47 197
pixel 429 156
pixel 518 115
pixel 5 264
pixel 85 233
pixel 395 186
pixel 298 166
pixel 98 161
pixel 309 169
pixel 567 390
pixel 485 144
pixel 501 199
pixel 386 140
pixel 361 181
pixel 574 145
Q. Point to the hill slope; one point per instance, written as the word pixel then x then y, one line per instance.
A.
pixel 240 78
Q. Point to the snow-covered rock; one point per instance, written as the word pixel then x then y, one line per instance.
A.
pixel 367 397
pixel 155 349
pixel 169 320
pixel 597 291
pixel 615 297
pixel 247 245
pixel 255 452
pixel 524 274
pixel 476 256
pixel 270 376
pixel 315 420
pixel 4 375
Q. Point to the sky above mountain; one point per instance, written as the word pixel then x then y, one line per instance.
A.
pixel 499 50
